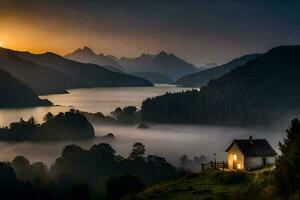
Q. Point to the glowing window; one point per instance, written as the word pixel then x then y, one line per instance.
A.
pixel 234 156
pixel 239 166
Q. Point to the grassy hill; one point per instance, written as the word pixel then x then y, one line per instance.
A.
pixel 212 184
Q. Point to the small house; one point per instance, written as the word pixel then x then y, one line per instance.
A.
pixel 250 154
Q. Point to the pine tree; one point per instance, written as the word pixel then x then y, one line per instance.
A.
pixel 288 164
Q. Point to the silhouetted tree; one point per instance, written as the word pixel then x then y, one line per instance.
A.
pixel 184 160
pixel 138 150
pixel 68 125
pixel 98 163
pixel 49 116
pixel 287 167
pixel 129 114
pixel 22 168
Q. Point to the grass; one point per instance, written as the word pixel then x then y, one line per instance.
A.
pixel 208 185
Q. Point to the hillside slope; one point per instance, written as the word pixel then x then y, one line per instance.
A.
pixel 201 78
pixel 14 93
pixel 84 75
pixel 41 79
pixel 210 184
pixel 260 92
pixel 154 77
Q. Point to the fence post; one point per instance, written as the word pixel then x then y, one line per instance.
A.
pixel 212 164
pixel 223 165
pixel 202 167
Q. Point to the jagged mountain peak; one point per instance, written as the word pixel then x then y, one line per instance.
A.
pixel 163 53
pixel 87 50
pixel 87 55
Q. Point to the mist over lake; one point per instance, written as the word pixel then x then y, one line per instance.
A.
pixel 167 140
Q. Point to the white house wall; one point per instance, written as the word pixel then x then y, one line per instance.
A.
pixel 257 162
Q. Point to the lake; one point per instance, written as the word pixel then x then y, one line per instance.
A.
pixel 167 140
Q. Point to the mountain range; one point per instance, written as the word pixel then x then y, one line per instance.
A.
pixel 41 79
pixel 158 66
pixel 85 75
pixel 262 91
pixel 86 55
pixel 50 73
pixel 155 77
pixel 201 78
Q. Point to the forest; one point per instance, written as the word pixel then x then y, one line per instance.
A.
pixel 261 92
pixel 70 125
pixel 95 173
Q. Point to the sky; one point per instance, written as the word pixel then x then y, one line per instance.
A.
pixel 200 31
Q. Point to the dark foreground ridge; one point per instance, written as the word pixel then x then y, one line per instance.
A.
pixel 84 174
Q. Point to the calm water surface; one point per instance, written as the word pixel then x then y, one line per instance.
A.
pixel 91 100
pixel 168 140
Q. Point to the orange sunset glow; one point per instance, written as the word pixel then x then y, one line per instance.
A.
pixel 149 99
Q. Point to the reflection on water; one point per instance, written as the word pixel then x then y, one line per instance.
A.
pixel 11 115
pixel 90 100
pixel 170 141
pixel 107 99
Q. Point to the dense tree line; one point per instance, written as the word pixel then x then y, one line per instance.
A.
pixel 101 161
pixel 96 173
pixel 262 91
pixel 129 115
pixel 63 126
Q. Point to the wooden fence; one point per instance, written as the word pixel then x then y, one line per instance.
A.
pixel 215 165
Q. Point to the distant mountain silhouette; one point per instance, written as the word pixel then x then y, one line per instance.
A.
pixel 86 55
pixel 201 78
pixel 154 77
pixel 166 64
pixel 262 91
pixel 207 65
pixel 15 93
pixel 41 79
pixel 163 63
pixel 84 75
pixel 138 64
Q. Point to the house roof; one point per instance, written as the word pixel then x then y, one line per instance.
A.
pixel 254 147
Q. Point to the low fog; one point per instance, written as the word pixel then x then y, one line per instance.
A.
pixel 169 141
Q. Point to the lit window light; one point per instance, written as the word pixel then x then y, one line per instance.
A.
pixel 234 156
